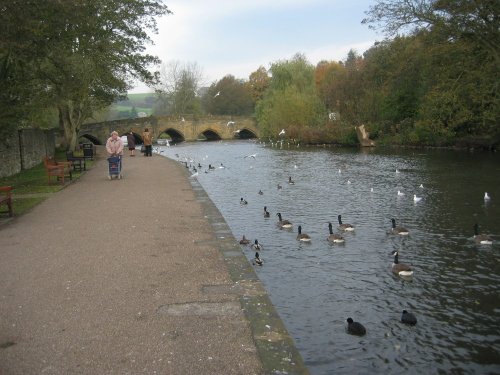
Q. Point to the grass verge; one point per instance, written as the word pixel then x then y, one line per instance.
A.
pixel 31 185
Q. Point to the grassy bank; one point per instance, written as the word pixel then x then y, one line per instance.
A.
pixel 31 185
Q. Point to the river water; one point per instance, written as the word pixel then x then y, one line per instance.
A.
pixel 316 286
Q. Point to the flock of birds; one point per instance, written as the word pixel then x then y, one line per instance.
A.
pixel 402 270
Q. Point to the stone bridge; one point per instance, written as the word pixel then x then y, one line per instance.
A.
pixel 179 129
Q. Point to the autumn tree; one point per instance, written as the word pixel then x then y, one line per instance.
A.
pixel 258 82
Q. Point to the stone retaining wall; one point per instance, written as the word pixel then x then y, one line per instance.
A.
pixel 23 149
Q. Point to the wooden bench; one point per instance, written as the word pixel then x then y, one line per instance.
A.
pixel 6 198
pixel 58 169
pixel 78 162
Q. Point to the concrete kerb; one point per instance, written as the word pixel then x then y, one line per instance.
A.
pixel 275 347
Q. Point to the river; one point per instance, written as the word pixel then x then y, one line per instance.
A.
pixel 316 286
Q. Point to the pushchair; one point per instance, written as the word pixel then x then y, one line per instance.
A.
pixel 115 167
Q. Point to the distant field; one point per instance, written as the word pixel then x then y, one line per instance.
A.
pixel 141 102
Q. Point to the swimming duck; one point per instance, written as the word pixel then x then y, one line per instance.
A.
pixel 408 318
pixel 398 230
pixel 345 227
pixel 481 239
pixel 355 328
pixel 266 212
pixel 335 238
pixel 400 269
pixel 283 223
pixel 416 199
pixel 400 193
pixel 302 236
pixel 242 201
pixel 257 261
pixel 261 192
pixel 290 181
pixel 279 187
pixel 257 246
pixel 244 241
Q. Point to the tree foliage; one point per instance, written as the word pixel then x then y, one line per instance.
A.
pixel 292 98
pixel 178 87
pixel 78 56
pixel 229 96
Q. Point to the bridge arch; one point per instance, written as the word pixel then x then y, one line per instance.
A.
pixel 244 134
pixel 90 138
pixel 174 134
pixel 210 135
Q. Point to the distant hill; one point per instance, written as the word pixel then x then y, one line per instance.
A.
pixel 133 107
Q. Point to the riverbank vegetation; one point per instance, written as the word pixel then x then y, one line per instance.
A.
pixel 433 81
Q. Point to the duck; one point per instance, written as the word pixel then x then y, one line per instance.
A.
pixel 279 187
pixel 416 199
pixel 400 269
pixel 400 193
pixel 266 212
pixel 481 239
pixel 486 196
pixel 242 201
pixel 408 318
pixel 335 238
pixel 302 236
pixel 283 223
pixel 345 227
pixel 257 246
pixel 244 241
pixel 261 192
pixel 290 181
pixel 399 230
pixel 257 261
pixel 355 328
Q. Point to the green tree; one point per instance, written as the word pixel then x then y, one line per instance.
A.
pixel 292 100
pixel 84 54
pixel 229 96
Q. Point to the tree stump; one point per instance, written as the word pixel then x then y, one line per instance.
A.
pixel 363 137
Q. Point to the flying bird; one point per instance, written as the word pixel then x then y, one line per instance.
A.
pixel 216 95
pixel 250 156
pixel 282 132
pixel 230 123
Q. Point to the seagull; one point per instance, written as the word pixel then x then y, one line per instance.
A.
pixel 182 119
pixel 416 199
pixel 397 170
pixel 216 95
pixel 421 186
pixel 486 197
pixel 250 156
pixel 230 123
pixel 282 132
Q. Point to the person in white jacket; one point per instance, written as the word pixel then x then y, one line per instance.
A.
pixel 114 145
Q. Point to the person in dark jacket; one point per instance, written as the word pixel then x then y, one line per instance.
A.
pixel 131 143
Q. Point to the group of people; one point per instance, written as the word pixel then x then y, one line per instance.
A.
pixel 114 144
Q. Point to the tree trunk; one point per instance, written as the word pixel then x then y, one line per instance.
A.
pixel 70 120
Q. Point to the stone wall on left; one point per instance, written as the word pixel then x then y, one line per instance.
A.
pixel 24 148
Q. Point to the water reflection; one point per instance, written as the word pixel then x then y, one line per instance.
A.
pixel 316 286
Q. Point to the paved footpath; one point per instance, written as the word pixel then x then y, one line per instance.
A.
pixel 134 276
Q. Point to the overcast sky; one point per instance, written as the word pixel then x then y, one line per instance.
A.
pixel 237 36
